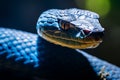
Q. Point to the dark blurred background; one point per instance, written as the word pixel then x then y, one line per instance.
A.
pixel 23 15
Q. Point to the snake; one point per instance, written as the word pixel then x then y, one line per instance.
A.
pixel 56 52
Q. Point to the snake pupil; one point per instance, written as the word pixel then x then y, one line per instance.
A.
pixel 65 26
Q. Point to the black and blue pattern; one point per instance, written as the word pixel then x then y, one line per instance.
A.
pixel 14 44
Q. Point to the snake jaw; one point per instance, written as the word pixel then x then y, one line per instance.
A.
pixel 71 28
pixel 64 39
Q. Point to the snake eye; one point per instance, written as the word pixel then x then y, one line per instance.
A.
pixel 64 25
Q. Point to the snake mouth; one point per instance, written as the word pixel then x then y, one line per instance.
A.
pixel 63 39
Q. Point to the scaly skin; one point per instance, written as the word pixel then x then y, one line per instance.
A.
pixel 27 53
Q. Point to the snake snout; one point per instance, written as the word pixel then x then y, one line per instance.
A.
pixel 97 35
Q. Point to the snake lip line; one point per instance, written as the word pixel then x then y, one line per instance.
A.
pixel 88 40
pixel 70 43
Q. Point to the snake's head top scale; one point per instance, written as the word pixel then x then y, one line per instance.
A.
pixel 73 28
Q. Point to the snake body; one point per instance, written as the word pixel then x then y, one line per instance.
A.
pixel 32 55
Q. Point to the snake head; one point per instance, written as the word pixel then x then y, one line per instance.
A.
pixel 72 28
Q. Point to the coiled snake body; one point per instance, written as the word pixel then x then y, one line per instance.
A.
pixel 52 55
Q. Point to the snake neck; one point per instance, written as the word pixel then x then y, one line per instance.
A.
pixel 51 52
pixel 51 48
pixel 57 60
